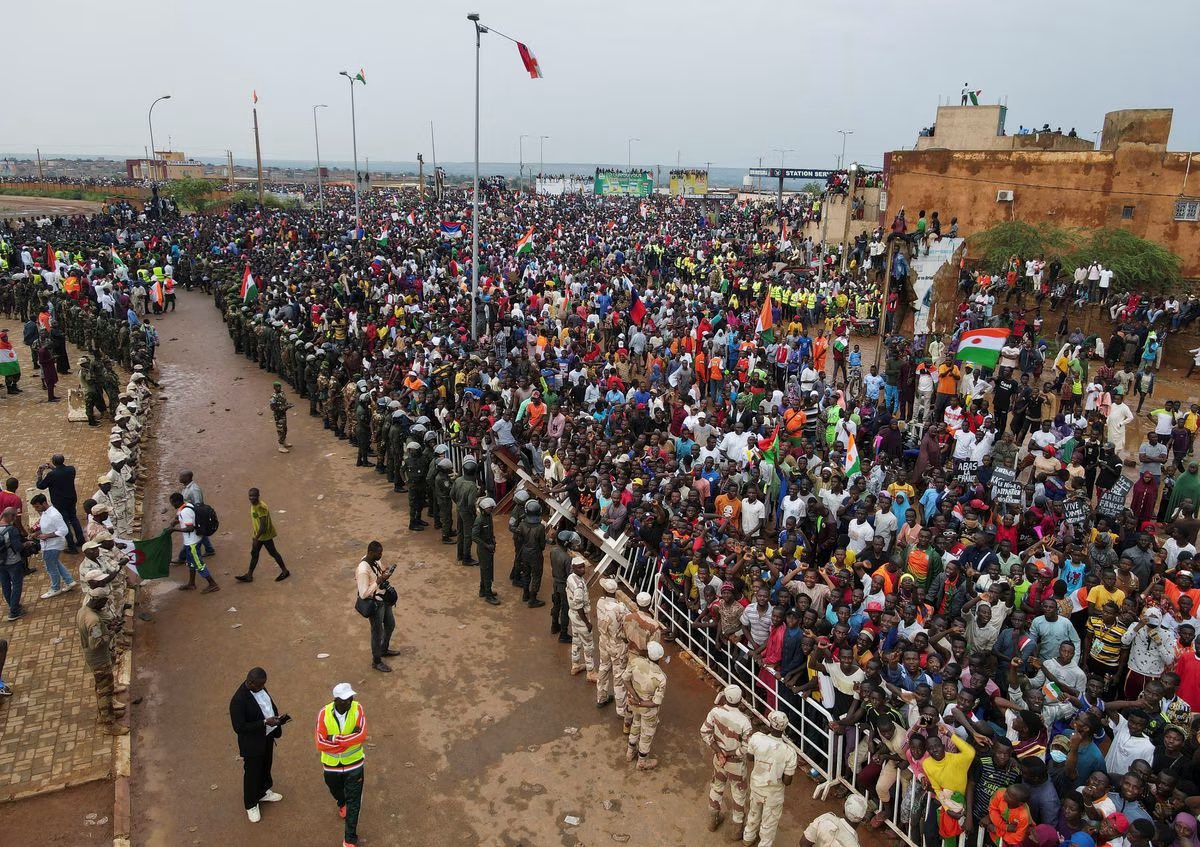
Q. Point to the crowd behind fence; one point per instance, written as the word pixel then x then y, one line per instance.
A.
pixel 832 759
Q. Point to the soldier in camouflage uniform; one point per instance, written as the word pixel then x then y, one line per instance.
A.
pixel 93 397
pixel 279 408
pixel 349 402
pixel 312 383
pixel 108 379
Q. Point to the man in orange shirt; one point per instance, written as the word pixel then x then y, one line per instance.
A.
pixel 948 375
pixel 794 420
pixel 728 509
pixel 1008 815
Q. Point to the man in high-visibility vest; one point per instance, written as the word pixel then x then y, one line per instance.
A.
pixel 341 734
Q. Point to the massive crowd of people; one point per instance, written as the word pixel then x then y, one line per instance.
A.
pixel 946 553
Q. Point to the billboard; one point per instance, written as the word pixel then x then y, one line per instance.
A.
pixel 689 182
pixel 566 184
pixel 613 183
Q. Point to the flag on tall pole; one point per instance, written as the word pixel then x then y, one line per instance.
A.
pixel 254 94
pixel 530 61
pixel 249 286
pixel 763 329
pixel 361 76
pixel 116 257
pixel 411 220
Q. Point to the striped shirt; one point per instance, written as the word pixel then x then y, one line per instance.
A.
pixel 1106 641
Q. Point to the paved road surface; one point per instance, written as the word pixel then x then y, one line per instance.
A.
pixel 468 737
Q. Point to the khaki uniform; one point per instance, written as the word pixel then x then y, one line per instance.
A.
pixel 96 652
pixel 121 494
pixel 614 652
pixel 647 681
pixel 774 758
pixel 640 630
pixel 726 731
pixel 581 637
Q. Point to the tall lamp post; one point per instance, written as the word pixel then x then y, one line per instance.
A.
pixel 629 152
pixel 782 151
pixel 150 121
pixel 843 133
pixel 354 142
pixel 521 145
pixel 317 138
pixel 542 154
pixel 480 29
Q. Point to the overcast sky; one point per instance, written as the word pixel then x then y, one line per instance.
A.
pixel 710 80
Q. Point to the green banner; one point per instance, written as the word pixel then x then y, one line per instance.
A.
pixel 624 183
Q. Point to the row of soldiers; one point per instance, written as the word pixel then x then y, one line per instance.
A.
pixel 94 330
pixel 104 572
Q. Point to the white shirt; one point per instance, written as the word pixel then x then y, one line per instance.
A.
pixel 1126 749
pixel 861 534
pixel 264 703
pixel 187 517
pixel 886 526
pixel 753 515
pixel 51 521
pixel 1105 277
pixel 964 444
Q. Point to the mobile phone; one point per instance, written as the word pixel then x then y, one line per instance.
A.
pixel 284 719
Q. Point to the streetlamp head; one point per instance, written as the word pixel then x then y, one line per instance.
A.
pixel 473 16
pixel 344 73
pixel 165 97
pixel 321 106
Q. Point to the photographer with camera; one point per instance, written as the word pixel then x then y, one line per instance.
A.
pixel 374 601
pixel 258 723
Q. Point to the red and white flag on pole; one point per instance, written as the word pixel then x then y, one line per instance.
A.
pixel 530 61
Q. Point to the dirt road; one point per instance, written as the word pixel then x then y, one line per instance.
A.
pixel 480 736
pixel 27 207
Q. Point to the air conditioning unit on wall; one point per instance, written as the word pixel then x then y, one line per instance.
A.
pixel 1004 196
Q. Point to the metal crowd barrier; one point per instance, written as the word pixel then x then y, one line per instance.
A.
pixel 824 753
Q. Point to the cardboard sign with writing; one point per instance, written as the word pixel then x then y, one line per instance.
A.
pixel 1113 502
pixel 1075 511
pixel 1005 488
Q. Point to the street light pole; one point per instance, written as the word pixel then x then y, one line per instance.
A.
pixel 782 166
pixel 521 144
pixel 542 154
pixel 150 121
pixel 317 138
pixel 480 29
pixel 354 142
pixel 629 152
pixel 843 133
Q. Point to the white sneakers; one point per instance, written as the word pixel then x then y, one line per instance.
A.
pixel 63 590
pixel 270 797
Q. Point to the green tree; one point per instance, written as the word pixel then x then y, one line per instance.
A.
pixel 1022 239
pixel 1135 262
pixel 813 188
pixel 190 193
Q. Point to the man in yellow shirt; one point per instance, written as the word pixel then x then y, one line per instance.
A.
pixel 262 536
pixel 1105 592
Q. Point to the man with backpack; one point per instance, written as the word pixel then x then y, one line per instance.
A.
pixel 193 494
pixel 194 522
pixel 12 563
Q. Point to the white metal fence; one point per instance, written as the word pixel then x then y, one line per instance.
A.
pixel 833 759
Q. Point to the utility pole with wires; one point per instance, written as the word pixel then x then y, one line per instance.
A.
pixel 258 157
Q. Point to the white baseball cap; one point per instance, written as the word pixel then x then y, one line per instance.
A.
pixel 343 691
pixel 654 651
